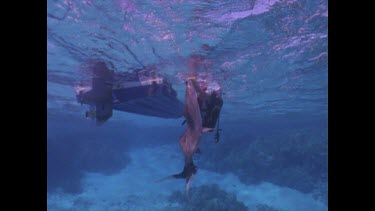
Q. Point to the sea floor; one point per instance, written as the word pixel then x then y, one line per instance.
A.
pixel 134 188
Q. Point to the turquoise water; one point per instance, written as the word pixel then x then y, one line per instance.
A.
pixel 269 58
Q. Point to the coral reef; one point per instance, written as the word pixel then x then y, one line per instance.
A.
pixel 265 207
pixel 206 197
pixel 296 158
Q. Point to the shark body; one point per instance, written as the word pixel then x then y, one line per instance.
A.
pixel 190 138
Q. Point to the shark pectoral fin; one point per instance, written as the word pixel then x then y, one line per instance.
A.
pixel 206 129
pixel 183 122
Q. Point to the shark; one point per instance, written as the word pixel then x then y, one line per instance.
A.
pixel 190 138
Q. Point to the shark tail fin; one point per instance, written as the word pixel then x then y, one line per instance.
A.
pixel 187 174
pixel 165 178
pixel 189 170
pixel 187 186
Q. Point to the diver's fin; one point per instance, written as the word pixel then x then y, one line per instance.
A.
pixel 206 129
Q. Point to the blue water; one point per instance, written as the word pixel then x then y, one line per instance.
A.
pixel 268 56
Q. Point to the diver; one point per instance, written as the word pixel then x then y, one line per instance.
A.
pixel 210 105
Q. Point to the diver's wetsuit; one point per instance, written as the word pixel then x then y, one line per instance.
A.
pixel 210 109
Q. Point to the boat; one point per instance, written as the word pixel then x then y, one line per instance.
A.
pixel 142 91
